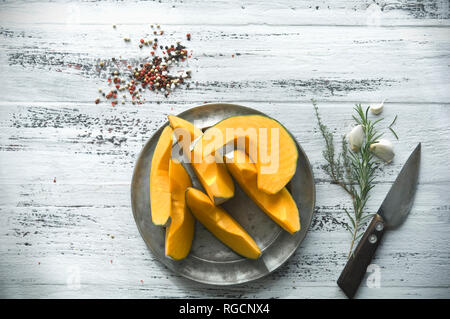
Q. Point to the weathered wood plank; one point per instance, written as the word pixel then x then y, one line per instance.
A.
pixel 221 12
pixel 230 63
pixel 171 289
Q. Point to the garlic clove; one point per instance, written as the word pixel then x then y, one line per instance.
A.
pixel 383 149
pixel 377 108
pixel 356 138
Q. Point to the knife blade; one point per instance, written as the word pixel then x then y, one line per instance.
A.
pixel 398 201
pixel 392 213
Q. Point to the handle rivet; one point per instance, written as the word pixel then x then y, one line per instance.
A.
pixel 379 226
pixel 373 239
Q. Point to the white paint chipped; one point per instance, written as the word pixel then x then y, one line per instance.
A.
pixel 77 237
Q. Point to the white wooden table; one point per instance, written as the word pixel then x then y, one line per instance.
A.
pixel 340 52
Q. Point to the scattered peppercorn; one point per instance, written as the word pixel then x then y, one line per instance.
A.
pixel 154 73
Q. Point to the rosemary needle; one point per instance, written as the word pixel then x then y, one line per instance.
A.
pixel 391 129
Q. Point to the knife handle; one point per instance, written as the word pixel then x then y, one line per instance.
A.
pixel 356 266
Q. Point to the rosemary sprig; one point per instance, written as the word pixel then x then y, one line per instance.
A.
pixel 333 167
pixel 353 171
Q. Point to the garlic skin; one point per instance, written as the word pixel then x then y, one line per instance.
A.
pixel 356 138
pixel 377 108
pixel 383 149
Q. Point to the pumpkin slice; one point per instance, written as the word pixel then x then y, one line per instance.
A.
pixel 280 206
pixel 213 176
pixel 180 232
pixel 267 143
pixel 160 198
pixel 221 224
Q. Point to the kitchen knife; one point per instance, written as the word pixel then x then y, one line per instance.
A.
pixel 392 212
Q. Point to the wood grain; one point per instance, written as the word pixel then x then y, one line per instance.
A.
pixel 254 63
pixel 235 12
pixel 338 52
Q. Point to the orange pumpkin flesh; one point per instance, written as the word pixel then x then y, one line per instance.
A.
pixel 280 206
pixel 160 196
pixel 213 176
pixel 275 166
pixel 221 224
pixel 180 232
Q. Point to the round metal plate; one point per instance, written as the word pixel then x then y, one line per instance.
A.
pixel 210 261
